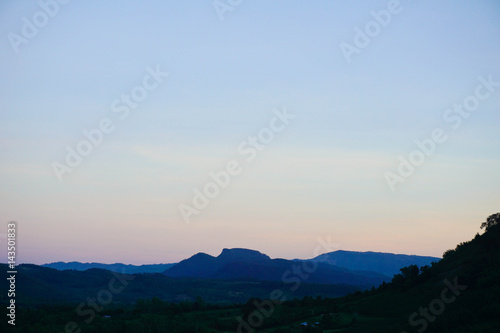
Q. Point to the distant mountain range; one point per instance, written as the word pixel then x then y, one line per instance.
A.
pixel 232 277
pixel 238 263
pixel 384 263
pixel 459 293
pixel 363 269
pixel 120 268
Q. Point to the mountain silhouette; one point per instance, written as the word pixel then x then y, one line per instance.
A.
pixel 459 293
pixel 385 263
pixel 117 267
pixel 251 264
pixel 241 263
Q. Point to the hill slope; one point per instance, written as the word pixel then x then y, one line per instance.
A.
pixel 37 286
pixel 460 293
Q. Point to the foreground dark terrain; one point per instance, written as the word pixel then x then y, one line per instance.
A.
pixel 460 293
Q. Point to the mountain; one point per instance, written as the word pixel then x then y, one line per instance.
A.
pixel 459 293
pixel 250 264
pixel 119 268
pixel 203 264
pixel 385 263
pixel 207 266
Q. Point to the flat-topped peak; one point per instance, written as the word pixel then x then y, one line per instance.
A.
pixel 240 254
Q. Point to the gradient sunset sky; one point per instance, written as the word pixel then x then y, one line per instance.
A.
pixel 230 69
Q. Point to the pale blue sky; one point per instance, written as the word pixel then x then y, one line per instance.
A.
pixel 323 175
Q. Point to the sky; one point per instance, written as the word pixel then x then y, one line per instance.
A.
pixel 147 131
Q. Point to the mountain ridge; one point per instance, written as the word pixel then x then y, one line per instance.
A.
pixel 350 260
pixel 241 263
pixel 116 267
pixel 381 262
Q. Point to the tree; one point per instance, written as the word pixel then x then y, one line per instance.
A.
pixel 448 252
pixel 491 221
pixel 409 271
